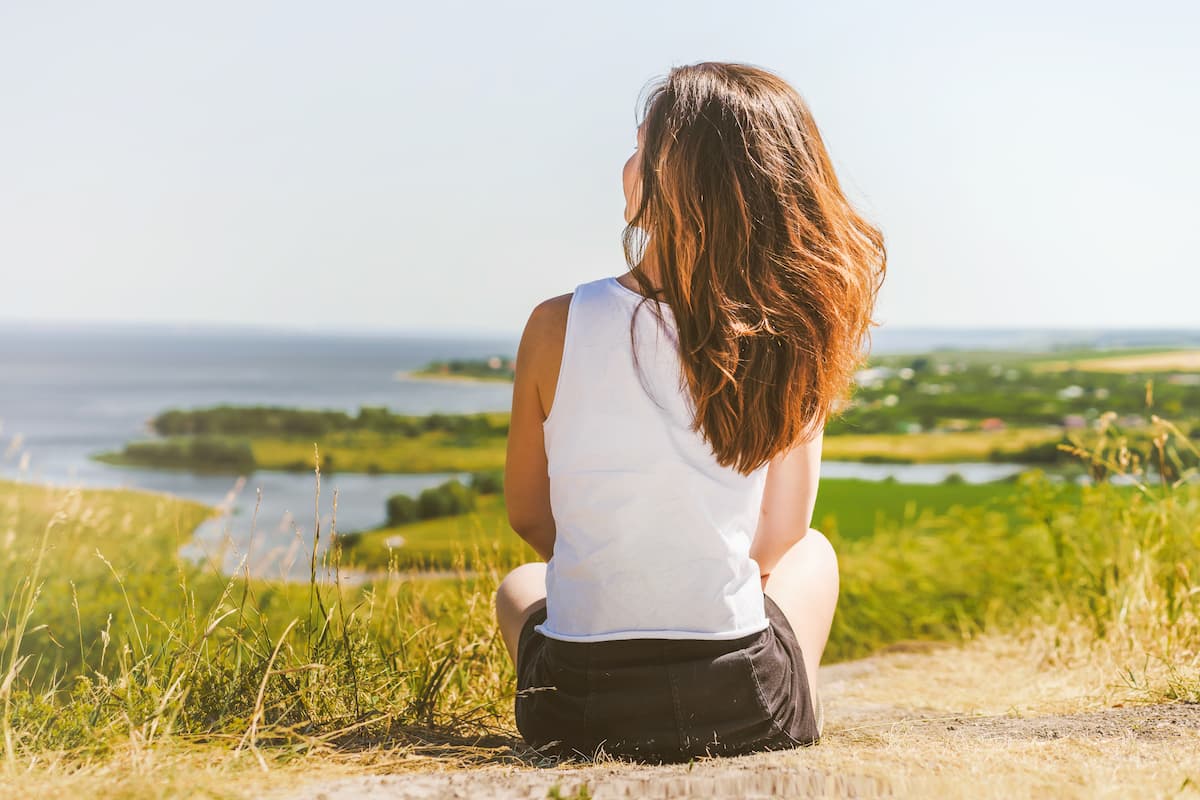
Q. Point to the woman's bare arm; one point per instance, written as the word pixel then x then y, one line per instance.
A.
pixel 526 480
pixel 788 501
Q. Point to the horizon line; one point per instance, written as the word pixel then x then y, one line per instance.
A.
pixel 283 328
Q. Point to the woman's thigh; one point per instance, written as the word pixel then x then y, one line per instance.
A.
pixel 522 592
pixel 804 584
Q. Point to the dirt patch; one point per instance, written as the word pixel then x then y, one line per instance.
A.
pixel 1140 722
pixel 762 775
pixel 750 777
pixel 994 719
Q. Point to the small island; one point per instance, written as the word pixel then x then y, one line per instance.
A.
pixel 239 439
pixel 493 368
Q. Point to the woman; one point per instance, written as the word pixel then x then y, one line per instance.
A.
pixel 665 440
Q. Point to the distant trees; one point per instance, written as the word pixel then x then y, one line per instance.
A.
pixel 445 499
pixel 294 422
pixel 488 481
pixel 195 452
pixel 248 421
pixel 500 367
pixel 1042 453
pixel 401 509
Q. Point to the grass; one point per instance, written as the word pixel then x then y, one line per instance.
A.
pixel 373 452
pixel 108 634
pixel 1157 360
pixel 933 448
pixel 112 648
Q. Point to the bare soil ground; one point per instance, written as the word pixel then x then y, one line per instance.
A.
pixel 995 718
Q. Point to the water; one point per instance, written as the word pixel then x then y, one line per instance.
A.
pixel 69 391
pixel 971 471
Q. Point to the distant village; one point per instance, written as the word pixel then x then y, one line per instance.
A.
pixel 876 378
pixel 921 397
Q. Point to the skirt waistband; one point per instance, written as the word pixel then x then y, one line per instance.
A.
pixel 643 650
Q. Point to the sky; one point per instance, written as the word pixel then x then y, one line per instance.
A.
pixel 444 167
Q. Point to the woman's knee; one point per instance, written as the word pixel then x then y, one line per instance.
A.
pixel 806 582
pixel 820 543
pixel 813 551
pixel 521 585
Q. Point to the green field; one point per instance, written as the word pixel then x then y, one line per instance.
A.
pixel 1012 444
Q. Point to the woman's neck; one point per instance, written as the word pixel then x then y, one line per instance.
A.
pixel 648 269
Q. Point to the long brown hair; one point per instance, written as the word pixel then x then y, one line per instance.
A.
pixel 771 275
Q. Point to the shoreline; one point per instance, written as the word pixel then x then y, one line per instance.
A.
pixel 401 375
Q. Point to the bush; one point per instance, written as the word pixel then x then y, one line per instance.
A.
pixel 1043 453
pixel 449 498
pixel 488 481
pixel 462 498
pixel 299 422
pixel 401 509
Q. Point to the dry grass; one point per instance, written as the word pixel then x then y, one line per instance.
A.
pixel 158 771
pixel 929 448
pixel 900 718
pixel 1166 361
pixel 923 720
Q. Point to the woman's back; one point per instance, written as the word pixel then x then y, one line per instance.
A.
pixel 649 630
pixel 652 534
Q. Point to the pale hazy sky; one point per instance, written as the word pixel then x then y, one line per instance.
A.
pixel 446 166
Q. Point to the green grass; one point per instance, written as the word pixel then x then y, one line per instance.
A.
pixel 368 451
pixel 108 633
pixel 854 509
pixel 153 650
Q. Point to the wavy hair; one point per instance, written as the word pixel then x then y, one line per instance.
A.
pixel 770 273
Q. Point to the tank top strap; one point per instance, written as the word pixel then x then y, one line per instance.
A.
pixel 583 319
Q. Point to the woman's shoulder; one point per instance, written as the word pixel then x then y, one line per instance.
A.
pixel 549 317
pixel 547 325
pixel 544 333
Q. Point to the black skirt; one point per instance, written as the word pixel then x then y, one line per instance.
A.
pixel 664 700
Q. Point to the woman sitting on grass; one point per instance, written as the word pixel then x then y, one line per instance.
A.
pixel 665 465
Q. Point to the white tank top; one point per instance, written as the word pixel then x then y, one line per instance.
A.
pixel 653 535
